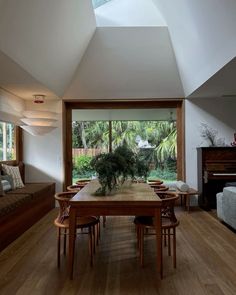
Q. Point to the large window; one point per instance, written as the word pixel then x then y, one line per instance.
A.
pixel 153 128
pixel 153 141
pixel 7 141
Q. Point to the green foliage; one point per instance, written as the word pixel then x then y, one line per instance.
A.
pixel 163 174
pixel 160 134
pixel 107 168
pixel 115 167
pixel 82 166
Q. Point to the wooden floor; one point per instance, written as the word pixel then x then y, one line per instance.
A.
pixel 206 261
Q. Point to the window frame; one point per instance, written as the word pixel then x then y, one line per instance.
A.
pixel 18 144
pixel 68 106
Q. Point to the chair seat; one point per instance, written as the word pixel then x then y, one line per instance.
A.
pixel 81 222
pixel 147 221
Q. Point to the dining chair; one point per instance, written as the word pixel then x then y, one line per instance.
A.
pixel 169 223
pixel 83 223
pixel 152 182
pixel 159 188
pixel 80 184
pixel 76 188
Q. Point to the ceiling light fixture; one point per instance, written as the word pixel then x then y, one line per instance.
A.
pixel 39 122
pixel 39 98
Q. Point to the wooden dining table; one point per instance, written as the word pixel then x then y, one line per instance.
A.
pixel 131 200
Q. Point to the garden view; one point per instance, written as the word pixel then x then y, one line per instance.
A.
pixel 7 150
pixel 154 142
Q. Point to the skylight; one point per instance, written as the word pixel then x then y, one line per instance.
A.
pixel 97 3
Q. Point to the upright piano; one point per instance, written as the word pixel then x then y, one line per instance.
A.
pixel 216 168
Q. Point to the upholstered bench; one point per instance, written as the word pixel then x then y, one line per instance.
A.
pixel 22 207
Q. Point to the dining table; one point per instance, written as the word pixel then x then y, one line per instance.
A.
pixel 135 199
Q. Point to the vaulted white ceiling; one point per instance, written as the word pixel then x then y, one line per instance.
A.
pixel 53 47
pixel 47 38
pixel 127 63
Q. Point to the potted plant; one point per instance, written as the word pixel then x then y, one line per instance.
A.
pixel 114 168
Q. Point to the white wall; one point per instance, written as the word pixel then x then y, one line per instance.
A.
pixel 203 36
pixel 218 114
pixel 43 154
pixel 128 13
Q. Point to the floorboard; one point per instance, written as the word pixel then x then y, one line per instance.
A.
pixel 206 261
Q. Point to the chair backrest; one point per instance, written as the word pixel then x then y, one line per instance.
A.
pixel 161 187
pixel 82 184
pixel 154 183
pixel 74 187
pixel 168 207
pixel 63 199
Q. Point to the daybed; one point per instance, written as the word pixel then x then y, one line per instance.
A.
pixel 22 207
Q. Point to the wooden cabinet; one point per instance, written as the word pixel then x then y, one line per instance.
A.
pixel 216 167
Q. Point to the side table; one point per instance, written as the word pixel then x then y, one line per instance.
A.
pixel 186 196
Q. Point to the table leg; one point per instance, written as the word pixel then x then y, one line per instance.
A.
pixel 159 241
pixel 72 233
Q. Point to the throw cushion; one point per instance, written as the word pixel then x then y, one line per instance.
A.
pixel 1 190
pixel 182 186
pixel 14 172
pixel 6 186
pixel 9 179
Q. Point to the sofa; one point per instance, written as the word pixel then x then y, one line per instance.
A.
pixel 226 206
pixel 22 207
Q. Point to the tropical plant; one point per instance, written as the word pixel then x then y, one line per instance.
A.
pixel 161 135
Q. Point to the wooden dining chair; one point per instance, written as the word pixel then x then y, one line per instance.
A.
pixel 169 223
pixel 154 182
pixel 62 223
pixel 76 188
pixel 81 184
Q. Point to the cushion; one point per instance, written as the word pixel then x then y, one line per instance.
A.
pixel 9 179
pixel 2 193
pixel 35 190
pixel 182 186
pixel 6 186
pixel 10 202
pixel 14 172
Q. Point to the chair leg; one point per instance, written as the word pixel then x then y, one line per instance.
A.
pixel 65 238
pixel 141 238
pixel 174 247
pixel 104 218
pixel 58 246
pixel 169 243
pixel 94 238
pixel 98 232
pixel 138 238
pixel 164 230
pixel 90 246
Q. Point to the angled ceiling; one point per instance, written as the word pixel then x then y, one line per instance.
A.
pixel 203 37
pixel 222 84
pixel 49 46
pixel 47 38
pixel 127 63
